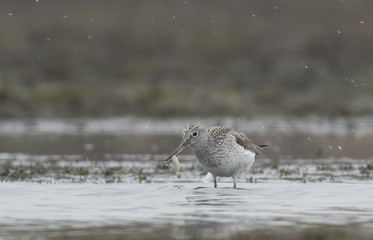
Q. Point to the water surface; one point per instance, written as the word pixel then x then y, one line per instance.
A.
pixel 86 178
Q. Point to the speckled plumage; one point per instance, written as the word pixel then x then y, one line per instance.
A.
pixel 220 150
pixel 222 132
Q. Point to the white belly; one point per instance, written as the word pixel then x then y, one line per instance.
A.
pixel 230 162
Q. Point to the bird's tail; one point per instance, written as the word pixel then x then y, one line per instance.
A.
pixel 259 148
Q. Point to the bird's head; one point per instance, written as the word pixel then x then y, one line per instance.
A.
pixel 193 134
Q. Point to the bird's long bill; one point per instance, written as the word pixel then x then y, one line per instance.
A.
pixel 178 150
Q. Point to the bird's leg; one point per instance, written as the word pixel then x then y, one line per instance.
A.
pixel 234 182
pixel 215 184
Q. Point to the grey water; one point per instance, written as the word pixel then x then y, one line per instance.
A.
pixel 82 178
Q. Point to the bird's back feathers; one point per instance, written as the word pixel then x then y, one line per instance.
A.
pixel 241 139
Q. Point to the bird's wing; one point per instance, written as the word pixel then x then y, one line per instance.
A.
pixel 244 141
pixel 218 131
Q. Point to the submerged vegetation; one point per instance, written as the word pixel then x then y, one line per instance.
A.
pixel 139 170
pixel 94 58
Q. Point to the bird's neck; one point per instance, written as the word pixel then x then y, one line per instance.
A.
pixel 203 145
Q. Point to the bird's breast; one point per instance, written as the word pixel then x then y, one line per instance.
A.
pixel 224 161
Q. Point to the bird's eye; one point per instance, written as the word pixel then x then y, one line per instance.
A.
pixel 195 134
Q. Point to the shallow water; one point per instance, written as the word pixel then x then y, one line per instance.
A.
pixel 30 206
pixel 100 177
pixel 262 205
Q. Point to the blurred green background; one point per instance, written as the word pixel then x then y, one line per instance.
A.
pixel 185 58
